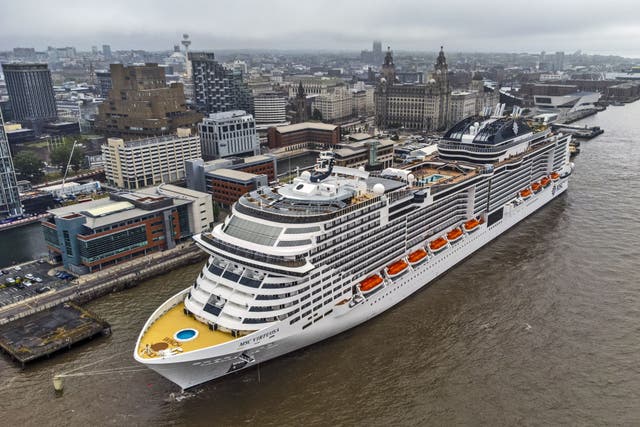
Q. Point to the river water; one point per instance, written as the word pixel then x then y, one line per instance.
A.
pixel 539 327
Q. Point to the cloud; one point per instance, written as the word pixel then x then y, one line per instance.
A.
pixel 461 25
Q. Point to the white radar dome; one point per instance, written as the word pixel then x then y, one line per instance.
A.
pixel 378 188
pixel 361 168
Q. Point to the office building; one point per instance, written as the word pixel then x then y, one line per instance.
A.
pixel 106 51
pixel 104 83
pixel 9 197
pixel 31 94
pixel 269 107
pixel 231 133
pixel 462 105
pixel 302 135
pixel 95 235
pixel 335 104
pixel 141 104
pixel 141 163
pixel 227 179
pixel 216 89
pixel 410 105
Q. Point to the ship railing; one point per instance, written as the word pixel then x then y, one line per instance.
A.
pixel 299 260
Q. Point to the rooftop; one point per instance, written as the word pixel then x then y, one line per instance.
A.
pixel 306 126
pixel 233 174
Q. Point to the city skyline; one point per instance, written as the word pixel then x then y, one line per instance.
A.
pixel 408 25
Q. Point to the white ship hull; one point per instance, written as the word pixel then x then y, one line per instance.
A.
pixel 193 368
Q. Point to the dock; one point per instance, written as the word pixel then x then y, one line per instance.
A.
pixel 46 332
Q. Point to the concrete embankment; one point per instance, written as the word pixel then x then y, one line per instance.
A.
pixel 91 286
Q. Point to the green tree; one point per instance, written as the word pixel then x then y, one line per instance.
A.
pixel 60 156
pixel 28 165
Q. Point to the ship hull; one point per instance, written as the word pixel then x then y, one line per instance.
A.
pixel 195 368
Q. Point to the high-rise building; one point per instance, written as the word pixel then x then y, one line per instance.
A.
pixel 106 51
pixel 9 197
pixel 378 56
pixel 411 105
pixel 150 161
pixel 31 94
pixel 269 107
pixel 230 133
pixel 104 82
pixel 558 61
pixel 141 104
pixel 217 89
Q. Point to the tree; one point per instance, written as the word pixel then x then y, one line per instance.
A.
pixel 60 156
pixel 28 165
pixel 317 115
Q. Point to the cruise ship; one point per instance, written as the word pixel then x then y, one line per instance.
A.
pixel 297 263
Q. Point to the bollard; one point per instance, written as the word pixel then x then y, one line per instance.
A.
pixel 57 383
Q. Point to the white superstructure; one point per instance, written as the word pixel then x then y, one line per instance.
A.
pixel 298 263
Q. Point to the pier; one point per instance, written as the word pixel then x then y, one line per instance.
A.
pixel 46 332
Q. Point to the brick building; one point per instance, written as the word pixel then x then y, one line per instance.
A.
pixel 302 134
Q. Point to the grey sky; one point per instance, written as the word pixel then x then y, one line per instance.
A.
pixel 461 25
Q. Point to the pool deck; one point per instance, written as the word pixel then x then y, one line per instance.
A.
pixel 160 337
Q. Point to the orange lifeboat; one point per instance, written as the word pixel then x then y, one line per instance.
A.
pixel 525 194
pixel 471 225
pixel 545 181
pixel 396 268
pixel 417 257
pixel 370 283
pixel 555 176
pixel 536 186
pixel 454 235
pixel 438 244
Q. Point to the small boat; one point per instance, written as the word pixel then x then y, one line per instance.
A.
pixel 545 181
pixel 525 194
pixel 454 235
pixel 471 225
pixel 555 176
pixel 536 186
pixel 417 257
pixel 438 244
pixel 398 267
pixel 370 283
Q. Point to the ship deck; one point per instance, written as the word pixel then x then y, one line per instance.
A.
pixel 161 335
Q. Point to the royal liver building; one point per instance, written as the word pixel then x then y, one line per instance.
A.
pixel 410 105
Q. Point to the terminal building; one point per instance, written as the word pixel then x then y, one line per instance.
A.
pixel 91 236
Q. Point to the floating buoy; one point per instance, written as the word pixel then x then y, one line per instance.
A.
pixel 57 383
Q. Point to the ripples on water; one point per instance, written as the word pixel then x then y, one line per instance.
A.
pixel 539 327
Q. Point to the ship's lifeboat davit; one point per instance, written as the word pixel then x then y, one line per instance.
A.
pixel 555 176
pixel 525 194
pixel 370 284
pixel 454 235
pixel 417 257
pixel 438 245
pixel 545 181
pixel 536 187
pixel 471 225
pixel 397 268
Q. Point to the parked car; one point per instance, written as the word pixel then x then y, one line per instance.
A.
pixel 43 289
pixel 37 279
pixel 29 276
pixel 10 280
pixel 17 268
